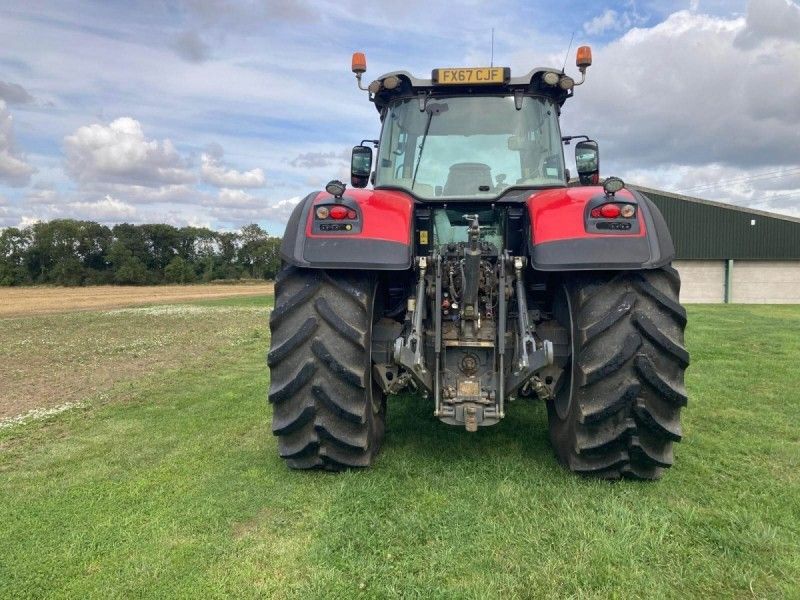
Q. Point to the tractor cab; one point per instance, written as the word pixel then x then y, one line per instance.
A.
pixel 467 134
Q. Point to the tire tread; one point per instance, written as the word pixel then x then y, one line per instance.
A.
pixel 628 364
pixel 323 414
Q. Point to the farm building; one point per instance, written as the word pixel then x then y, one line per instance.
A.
pixel 727 253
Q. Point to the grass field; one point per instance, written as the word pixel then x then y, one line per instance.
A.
pixel 27 301
pixel 168 484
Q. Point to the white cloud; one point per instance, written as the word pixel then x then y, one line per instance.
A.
pixel 41 196
pixel 685 98
pixel 9 217
pixel 46 203
pixel 239 208
pixel 120 153
pixel 215 173
pixel 14 171
pixel 611 20
pixel 106 210
pixel 770 20
pixel 608 20
pixel 235 199
pixel 27 220
pixel 282 210
pixel 313 160
pixel 775 190
pixel 145 194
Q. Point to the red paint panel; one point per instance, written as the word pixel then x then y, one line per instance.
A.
pixel 386 215
pixel 559 214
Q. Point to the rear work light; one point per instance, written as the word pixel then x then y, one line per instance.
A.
pixel 613 211
pixel 336 212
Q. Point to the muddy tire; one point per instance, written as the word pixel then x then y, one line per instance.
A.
pixel 326 411
pixel 617 412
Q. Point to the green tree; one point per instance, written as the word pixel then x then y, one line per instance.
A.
pixel 179 271
pixel 71 252
pixel 163 244
pixel 132 272
pixel 132 237
pixel 127 268
pixel 14 244
pixel 226 262
pixel 259 253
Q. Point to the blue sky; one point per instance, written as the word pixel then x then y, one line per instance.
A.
pixel 220 113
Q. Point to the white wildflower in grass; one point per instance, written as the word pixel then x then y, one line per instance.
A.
pixel 37 414
pixel 183 310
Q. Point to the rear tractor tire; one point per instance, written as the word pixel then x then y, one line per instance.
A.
pixel 327 412
pixel 617 412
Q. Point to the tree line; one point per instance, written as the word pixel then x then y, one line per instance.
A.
pixel 70 252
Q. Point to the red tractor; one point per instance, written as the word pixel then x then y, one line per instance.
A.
pixel 473 273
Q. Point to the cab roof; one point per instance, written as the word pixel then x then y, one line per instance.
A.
pixel 410 86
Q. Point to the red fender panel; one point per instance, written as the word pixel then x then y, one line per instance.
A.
pixel 378 238
pixel 559 214
pixel 561 238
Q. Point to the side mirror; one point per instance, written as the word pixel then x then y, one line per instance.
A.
pixel 360 166
pixel 587 161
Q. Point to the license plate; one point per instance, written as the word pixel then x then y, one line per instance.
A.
pixel 470 76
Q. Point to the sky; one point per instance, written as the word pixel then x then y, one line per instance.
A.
pixel 220 113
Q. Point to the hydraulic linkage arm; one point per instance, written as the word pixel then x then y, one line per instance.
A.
pixel 408 352
pixel 529 358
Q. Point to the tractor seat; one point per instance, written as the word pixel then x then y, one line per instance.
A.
pixel 466 179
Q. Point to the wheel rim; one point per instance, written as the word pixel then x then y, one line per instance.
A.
pixel 563 399
pixel 372 388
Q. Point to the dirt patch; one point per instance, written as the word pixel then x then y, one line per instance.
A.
pixel 23 301
pixel 57 360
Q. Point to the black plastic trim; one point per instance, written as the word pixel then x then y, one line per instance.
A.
pixel 354 253
pixel 294 235
pixel 658 231
pixel 592 253
pixel 512 194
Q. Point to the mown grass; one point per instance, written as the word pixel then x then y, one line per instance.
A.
pixel 174 489
pixel 50 361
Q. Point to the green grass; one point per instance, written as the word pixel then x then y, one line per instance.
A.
pixel 173 488
pixel 241 301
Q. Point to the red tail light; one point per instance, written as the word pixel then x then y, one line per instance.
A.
pixel 609 211
pixel 613 211
pixel 338 212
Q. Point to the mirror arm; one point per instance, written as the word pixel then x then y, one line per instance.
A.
pixel 568 138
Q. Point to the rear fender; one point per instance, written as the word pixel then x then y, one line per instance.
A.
pixel 378 238
pixel 565 238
